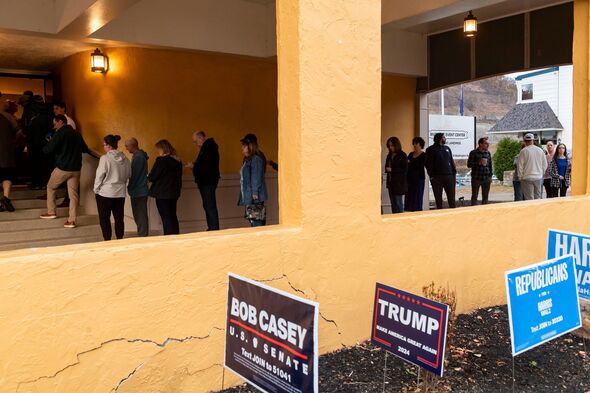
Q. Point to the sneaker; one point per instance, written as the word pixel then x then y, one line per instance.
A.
pixel 70 224
pixel 48 216
pixel 7 204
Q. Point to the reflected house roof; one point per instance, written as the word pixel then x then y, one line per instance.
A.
pixel 529 117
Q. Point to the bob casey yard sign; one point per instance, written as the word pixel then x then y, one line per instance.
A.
pixel 272 337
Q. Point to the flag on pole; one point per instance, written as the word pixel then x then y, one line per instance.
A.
pixel 461 103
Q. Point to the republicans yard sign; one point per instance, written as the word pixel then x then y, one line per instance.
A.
pixel 560 243
pixel 271 337
pixel 543 302
pixel 411 327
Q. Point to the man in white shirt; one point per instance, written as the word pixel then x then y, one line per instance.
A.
pixel 531 168
pixel 59 108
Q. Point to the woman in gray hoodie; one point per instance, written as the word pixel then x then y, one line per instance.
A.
pixel 112 174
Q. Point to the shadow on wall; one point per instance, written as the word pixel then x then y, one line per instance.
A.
pixel 190 209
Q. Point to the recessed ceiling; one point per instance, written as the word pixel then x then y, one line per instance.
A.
pixel 490 12
pixel 35 53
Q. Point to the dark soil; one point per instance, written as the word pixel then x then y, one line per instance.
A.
pixel 478 360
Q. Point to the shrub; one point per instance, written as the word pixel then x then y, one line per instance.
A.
pixel 503 160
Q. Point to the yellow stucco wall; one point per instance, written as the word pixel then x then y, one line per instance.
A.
pixel 153 94
pixel 147 315
pixel 398 107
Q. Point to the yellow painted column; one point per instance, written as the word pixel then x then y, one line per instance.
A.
pixel 330 97
pixel 580 181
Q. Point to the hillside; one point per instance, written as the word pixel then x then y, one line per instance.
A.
pixel 488 99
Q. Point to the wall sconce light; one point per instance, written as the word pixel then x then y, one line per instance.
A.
pixel 470 25
pixel 99 62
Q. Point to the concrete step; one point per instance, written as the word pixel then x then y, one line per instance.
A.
pixel 34 224
pixel 21 204
pixel 50 234
pixel 23 192
pixel 49 243
pixel 27 214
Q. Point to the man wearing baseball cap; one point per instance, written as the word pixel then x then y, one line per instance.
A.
pixel 531 166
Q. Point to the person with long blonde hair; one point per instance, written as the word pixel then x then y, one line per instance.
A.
pixel 252 184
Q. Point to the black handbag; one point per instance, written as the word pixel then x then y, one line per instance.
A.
pixel 256 212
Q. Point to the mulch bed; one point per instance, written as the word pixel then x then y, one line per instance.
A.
pixel 478 360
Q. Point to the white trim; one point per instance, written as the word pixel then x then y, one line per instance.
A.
pixel 538 265
pixel 525 131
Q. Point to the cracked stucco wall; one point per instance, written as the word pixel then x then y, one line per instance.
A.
pixel 147 315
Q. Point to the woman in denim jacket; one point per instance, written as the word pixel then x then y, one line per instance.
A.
pixel 252 183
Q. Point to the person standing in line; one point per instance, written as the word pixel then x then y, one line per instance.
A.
pixel 37 125
pixel 59 108
pixel 531 168
pixel 166 179
pixel 207 175
pixel 8 131
pixel 396 168
pixel 138 186
pixel 112 175
pixel 442 171
pixel 550 191
pixel 561 170
pixel 68 146
pixel 480 162
pixel 518 196
pixel 252 184
pixel 416 176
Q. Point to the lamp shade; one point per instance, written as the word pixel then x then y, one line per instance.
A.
pixel 99 62
pixel 470 25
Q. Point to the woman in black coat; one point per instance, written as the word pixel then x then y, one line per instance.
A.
pixel 166 179
pixel 396 168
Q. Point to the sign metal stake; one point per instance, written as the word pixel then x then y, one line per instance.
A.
pixel 513 379
pixel 385 371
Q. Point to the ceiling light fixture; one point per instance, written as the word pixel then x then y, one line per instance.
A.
pixel 470 25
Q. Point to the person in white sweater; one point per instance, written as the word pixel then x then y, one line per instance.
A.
pixel 112 174
pixel 531 168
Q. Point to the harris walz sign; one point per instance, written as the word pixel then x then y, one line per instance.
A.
pixel 411 327
pixel 271 337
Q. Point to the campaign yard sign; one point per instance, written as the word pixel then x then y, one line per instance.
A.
pixel 411 327
pixel 271 338
pixel 560 243
pixel 542 302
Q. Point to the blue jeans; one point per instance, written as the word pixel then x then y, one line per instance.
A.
pixel 397 202
pixel 518 196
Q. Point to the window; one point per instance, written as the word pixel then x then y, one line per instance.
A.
pixel 527 92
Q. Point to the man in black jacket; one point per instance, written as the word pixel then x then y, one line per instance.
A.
pixel 206 173
pixel 67 145
pixel 441 169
